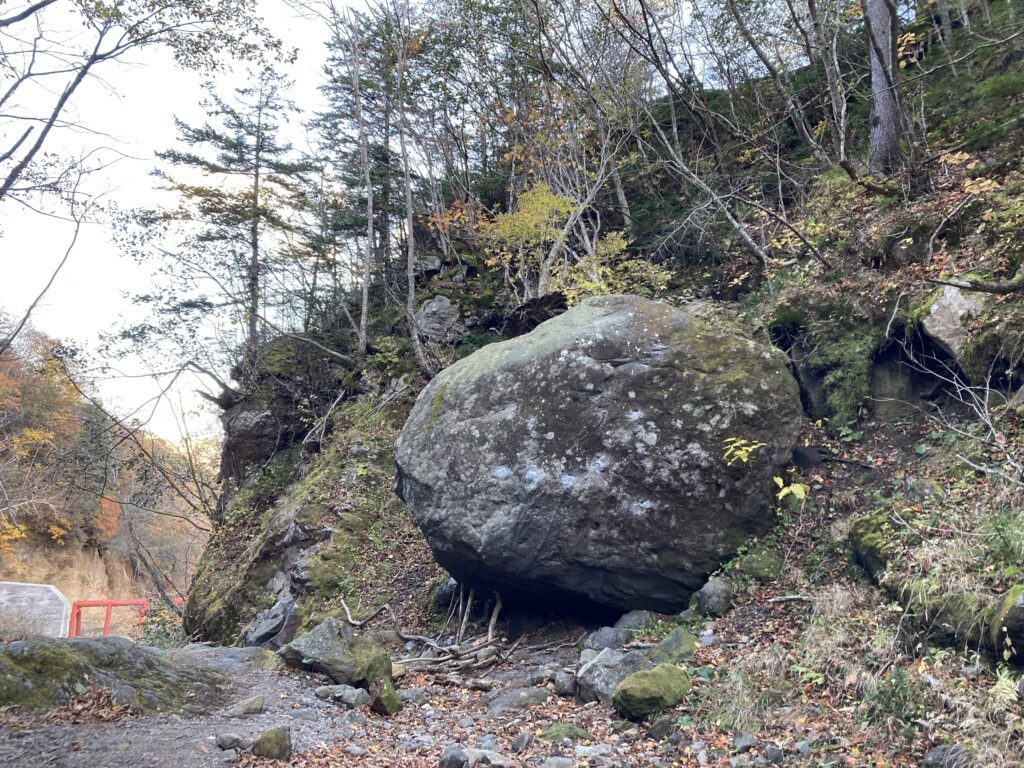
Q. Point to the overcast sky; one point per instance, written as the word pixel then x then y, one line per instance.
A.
pixel 134 105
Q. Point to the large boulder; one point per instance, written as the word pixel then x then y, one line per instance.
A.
pixel 40 673
pixel 334 649
pixel 584 461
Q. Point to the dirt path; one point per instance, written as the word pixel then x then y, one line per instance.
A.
pixel 179 741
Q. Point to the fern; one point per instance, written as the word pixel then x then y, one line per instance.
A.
pixel 1004 690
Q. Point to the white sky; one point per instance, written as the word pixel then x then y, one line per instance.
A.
pixel 135 104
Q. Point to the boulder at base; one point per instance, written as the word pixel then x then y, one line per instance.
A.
pixel 584 461
pixel 40 673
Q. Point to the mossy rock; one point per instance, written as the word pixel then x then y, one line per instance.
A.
pixel 333 649
pixel 873 541
pixel 763 563
pixel 1007 625
pixel 556 733
pixel 652 691
pixel 274 744
pixel 41 673
pixel 678 645
pixel 386 701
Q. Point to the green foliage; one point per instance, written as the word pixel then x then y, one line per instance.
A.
pixel 608 272
pixel 897 703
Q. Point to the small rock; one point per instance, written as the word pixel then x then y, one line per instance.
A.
pixel 707 637
pixel 227 756
pixel 593 750
pixel 253 706
pixel 487 757
pixel 661 729
pixel 344 694
pixel 587 655
pixel 565 684
pixel 556 733
pixel 228 741
pixel 714 598
pixel 606 637
pixel 488 743
pixel 743 742
pixel 773 754
pixel 414 696
pixel 559 762
pixel 522 742
pixel 466 722
pixel 516 699
pixel 971 671
pixel 804 748
pixel 453 757
pixel 948 756
pixel 354 751
pixel 275 743
pixel 635 620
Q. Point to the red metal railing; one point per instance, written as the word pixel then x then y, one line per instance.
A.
pixel 75 625
pixel 142 604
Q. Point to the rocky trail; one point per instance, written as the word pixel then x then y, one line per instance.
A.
pixel 537 715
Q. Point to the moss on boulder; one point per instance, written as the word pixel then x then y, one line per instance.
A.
pixel 678 645
pixel 650 692
pixel 42 673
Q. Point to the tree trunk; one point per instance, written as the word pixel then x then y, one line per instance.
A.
pixel 886 154
pixel 253 276
pixel 355 63
pixel 620 195
pixel 410 236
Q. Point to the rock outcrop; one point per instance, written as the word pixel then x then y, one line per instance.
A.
pixel 40 673
pixel 584 461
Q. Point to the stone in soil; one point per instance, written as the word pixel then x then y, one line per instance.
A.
pixel 275 743
pixel 251 706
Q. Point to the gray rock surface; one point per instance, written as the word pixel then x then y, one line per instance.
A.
pixel 334 649
pixel 597 679
pixel 515 700
pixel 565 684
pixel 714 598
pixel 39 673
pixel 948 319
pixel 250 706
pixel 948 756
pixel 438 321
pixel 273 627
pixel 606 637
pixel 634 620
pixel 344 694
pixel 453 757
pixel 584 460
